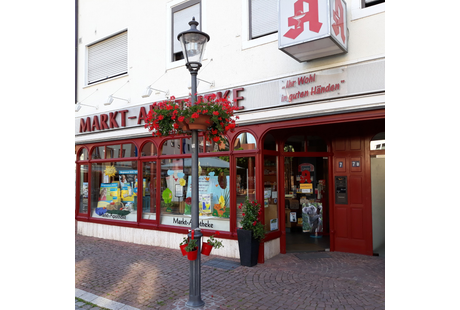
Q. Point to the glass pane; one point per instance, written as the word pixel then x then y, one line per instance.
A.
pixel 212 146
pixel 149 190
pixel 245 183
pixel 83 154
pixel 113 151
pixel 174 177
pixel 114 191
pixel 214 192
pixel 83 189
pixel 316 144
pixel 271 193
pixel 378 142
pixel 98 152
pixel 245 141
pixel 269 143
pixel 187 146
pixel 171 147
pixel 295 144
pixel 149 149
pixel 129 150
pixel 305 193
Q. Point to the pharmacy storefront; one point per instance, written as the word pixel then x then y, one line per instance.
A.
pixel 305 141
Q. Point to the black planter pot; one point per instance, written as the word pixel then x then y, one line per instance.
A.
pixel 249 248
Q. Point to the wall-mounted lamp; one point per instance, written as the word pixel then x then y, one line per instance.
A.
pixel 111 97
pixel 149 89
pixel 79 104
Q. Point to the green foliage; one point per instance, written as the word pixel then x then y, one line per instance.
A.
pixel 191 246
pixel 215 243
pixel 251 219
pixel 184 241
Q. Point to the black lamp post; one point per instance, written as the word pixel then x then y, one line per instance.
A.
pixel 193 44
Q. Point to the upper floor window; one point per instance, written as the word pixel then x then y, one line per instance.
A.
pixel 181 16
pixel 108 58
pixel 263 18
pixel 368 3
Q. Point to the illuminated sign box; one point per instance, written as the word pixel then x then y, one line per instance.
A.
pixel 311 29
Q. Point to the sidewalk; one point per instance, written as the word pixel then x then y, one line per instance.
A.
pixel 119 275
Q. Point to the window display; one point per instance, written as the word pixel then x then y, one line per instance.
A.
pixel 214 192
pixel 114 190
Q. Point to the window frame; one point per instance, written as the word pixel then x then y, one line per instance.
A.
pixel 175 9
pixel 251 37
pixel 88 55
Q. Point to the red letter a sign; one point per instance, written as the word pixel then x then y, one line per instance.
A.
pixel 338 20
pixel 300 17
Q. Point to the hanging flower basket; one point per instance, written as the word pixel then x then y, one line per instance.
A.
pixel 192 255
pixel 172 117
pixel 201 123
pixel 206 249
pixel 182 249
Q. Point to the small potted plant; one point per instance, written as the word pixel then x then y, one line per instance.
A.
pixel 211 243
pixel 192 249
pixel 182 246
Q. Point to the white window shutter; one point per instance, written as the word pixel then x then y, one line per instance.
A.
pixel 264 17
pixel 108 58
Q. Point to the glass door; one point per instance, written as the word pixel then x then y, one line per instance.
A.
pixel 306 203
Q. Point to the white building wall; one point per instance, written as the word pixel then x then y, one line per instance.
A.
pixel 231 59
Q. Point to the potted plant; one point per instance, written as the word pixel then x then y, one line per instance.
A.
pixel 251 233
pixel 182 246
pixel 212 115
pixel 211 243
pixel 192 249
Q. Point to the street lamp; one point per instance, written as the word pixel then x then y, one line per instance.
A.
pixel 193 44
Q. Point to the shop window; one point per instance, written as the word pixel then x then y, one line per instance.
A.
pixel 98 152
pixel 171 147
pixel 114 191
pixel 316 144
pixel 378 142
pixel 368 3
pixel 83 154
pixel 295 144
pixel 212 146
pixel 149 190
pixel 214 192
pixel 149 149
pixel 269 143
pixel 245 183
pixel 271 193
pixel 83 189
pixel 129 150
pixel 245 141
pixel 187 145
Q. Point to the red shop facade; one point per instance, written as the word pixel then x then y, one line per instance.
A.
pixel 319 176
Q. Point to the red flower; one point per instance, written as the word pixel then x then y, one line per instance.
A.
pixel 254 224
pixel 215 139
pixel 195 115
pixel 215 113
pixel 181 118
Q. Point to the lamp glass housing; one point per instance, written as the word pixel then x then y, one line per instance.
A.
pixel 193 44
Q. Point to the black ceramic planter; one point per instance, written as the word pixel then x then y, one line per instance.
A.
pixel 249 248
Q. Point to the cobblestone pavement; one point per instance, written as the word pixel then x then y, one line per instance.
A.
pixel 145 277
